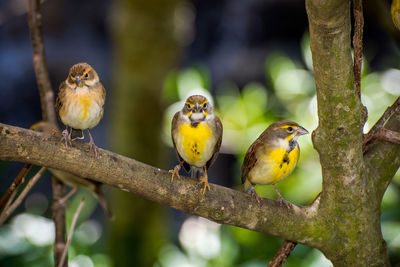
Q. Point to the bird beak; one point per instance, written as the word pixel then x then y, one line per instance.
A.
pixel 197 106
pixel 301 131
pixel 79 81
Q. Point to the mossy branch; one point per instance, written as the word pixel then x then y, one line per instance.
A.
pixel 339 107
pixel 383 157
pixel 220 204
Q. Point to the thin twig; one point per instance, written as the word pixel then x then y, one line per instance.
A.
pixel 288 246
pixel 9 201
pixel 15 184
pixel 282 254
pixel 48 114
pixel 21 196
pixel 71 231
pixel 358 43
pixel 39 62
pixel 388 135
pixel 372 134
pixel 58 210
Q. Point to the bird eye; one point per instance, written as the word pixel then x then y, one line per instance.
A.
pixel 290 129
pixel 205 105
pixel 86 75
pixel 188 106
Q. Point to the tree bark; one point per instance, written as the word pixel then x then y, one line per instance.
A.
pixel 349 200
pixel 220 204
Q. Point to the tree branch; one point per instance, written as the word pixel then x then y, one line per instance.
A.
pixel 339 107
pixel 15 184
pixel 48 114
pixel 383 155
pixel 7 212
pixel 58 212
pixel 220 204
pixel 389 135
pixel 71 232
pixel 282 254
pixel 370 137
pixel 358 43
pixel 39 62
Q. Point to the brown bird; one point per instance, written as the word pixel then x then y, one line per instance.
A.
pixel 80 103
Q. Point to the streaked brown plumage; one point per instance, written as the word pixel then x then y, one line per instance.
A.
pixel 80 102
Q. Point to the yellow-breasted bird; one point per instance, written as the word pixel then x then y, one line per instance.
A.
pixel 197 134
pixel 80 103
pixel 68 178
pixel 272 156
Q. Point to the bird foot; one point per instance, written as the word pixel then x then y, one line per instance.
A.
pixel 92 145
pixel 282 201
pixel 95 149
pixel 175 171
pixel 66 138
pixel 255 196
pixel 204 180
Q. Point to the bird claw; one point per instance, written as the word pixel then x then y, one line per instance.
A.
pixel 204 180
pixel 95 150
pixel 66 138
pixel 175 171
pixel 93 146
pixel 281 200
pixel 255 196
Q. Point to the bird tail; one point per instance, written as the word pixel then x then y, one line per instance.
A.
pixel 76 134
pixel 102 201
pixel 196 172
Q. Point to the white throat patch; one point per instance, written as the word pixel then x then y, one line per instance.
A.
pixel 197 116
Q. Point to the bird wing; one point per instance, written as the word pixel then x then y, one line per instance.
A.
pixel 219 132
pixel 103 93
pixel 173 126
pixel 61 95
pixel 250 159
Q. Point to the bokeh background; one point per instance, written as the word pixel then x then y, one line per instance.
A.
pixel 252 58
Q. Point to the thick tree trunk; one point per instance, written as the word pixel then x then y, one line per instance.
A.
pixel 349 200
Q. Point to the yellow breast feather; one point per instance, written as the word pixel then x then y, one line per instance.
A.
pixel 274 166
pixel 84 101
pixel 193 143
pixel 82 110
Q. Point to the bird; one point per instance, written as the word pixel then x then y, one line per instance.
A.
pixel 272 156
pixel 80 103
pixel 70 179
pixel 196 135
